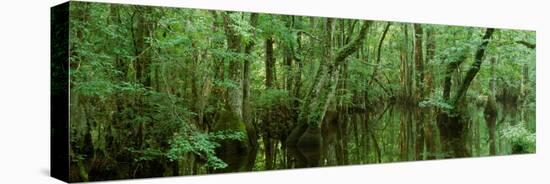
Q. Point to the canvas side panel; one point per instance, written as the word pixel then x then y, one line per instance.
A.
pixel 59 104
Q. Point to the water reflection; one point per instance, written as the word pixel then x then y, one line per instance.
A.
pixel 389 133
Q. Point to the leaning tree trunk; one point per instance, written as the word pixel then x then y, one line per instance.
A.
pixel 474 69
pixel 312 114
pixel 452 126
pixel 313 109
pixel 379 51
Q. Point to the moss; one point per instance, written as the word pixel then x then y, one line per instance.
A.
pixel 230 121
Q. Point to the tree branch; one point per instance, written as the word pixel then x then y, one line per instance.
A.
pixel 527 44
pixel 351 47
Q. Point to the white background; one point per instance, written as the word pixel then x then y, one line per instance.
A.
pixel 24 90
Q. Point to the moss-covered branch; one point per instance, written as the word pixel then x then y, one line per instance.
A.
pixel 474 69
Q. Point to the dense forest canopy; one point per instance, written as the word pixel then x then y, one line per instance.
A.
pixel 169 91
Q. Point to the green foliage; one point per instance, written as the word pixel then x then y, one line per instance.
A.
pixel 227 84
pixel 273 97
pixel 96 88
pixel 202 145
pixel 242 27
pixel 147 154
pixel 345 97
pixel 435 103
pixel 522 140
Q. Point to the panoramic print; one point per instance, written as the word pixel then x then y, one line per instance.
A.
pixel 158 91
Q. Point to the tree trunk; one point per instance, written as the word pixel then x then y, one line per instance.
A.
pixel 406 69
pixel 269 73
pixel 232 117
pixel 288 56
pixel 419 66
pixel 378 54
pixel 143 31
pixel 430 128
pixel 298 74
pixel 491 111
pixel 419 60
pixel 247 114
pixel 234 94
